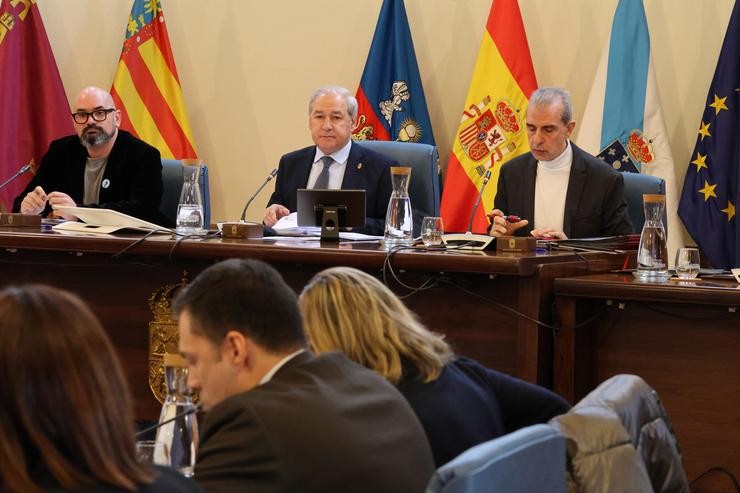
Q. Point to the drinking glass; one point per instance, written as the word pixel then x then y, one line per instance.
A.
pixel 687 263
pixel 432 230
pixel 152 452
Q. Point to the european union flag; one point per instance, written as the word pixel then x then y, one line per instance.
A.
pixel 712 183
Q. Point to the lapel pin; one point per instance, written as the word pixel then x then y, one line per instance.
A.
pixel 106 183
pixel 359 165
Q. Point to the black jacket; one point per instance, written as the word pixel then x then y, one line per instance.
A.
pixel 594 204
pixel 132 181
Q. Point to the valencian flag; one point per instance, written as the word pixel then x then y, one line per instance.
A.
pixel 391 104
pixel 712 183
pixel 146 87
pixel 33 106
pixel 492 129
pixel 623 121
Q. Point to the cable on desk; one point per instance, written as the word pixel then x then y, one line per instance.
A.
pixel 522 315
pixel 721 316
pixel 717 469
pixel 428 283
pixel 138 242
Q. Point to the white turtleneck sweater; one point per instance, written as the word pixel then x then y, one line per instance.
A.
pixel 550 190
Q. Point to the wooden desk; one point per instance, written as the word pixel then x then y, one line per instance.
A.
pixel 474 301
pixel 683 338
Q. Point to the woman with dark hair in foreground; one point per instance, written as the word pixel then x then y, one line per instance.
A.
pixel 459 402
pixel 65 415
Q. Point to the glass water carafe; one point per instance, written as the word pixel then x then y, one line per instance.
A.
pixel 181 435
pixel 399 224
pixel 190 207
pixel 652 255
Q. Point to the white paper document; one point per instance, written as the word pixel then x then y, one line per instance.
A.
pixel 288 226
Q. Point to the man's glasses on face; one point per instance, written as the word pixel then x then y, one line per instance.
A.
pixel 81 117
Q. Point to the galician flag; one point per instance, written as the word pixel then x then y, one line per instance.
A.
pixel 492 128
pixel 146 87
pixel 391 103
pixel 623 121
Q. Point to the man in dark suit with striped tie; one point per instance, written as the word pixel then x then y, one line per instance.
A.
pixel 335 162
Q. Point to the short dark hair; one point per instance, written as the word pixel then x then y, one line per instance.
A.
pixel 246 295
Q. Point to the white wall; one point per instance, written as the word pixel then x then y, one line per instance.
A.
pixel 248 67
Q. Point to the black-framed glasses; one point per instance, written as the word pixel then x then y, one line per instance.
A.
pixel 97 115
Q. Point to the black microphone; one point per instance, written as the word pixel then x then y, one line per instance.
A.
pixel 23 169
pixel 486 177
pixel 267 180
pixel 196 408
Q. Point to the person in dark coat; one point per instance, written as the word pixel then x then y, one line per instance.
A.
pixel 101 166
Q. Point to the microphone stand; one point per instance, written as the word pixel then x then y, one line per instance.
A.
pixel 244 229
pixel 469 240
pixel 23 169
pixel 196 408
pixel 251 199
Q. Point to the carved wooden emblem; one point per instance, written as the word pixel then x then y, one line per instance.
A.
pixel 163 336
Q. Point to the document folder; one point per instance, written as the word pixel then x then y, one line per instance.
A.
pixel 104 221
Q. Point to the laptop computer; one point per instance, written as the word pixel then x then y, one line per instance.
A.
pixel 104 221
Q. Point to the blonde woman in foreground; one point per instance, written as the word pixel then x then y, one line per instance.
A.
pixel 459 402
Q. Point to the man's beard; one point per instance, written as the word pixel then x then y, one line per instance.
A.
pixel 95 140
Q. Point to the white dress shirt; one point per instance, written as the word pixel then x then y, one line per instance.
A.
pixel 336 170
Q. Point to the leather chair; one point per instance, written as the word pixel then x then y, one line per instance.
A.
pixel 172 182
pixel 424 188
pixel 635 185
pixel 527 460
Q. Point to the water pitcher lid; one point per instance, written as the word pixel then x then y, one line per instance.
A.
pixel 401 170
pixel 171 359
pixel 653 197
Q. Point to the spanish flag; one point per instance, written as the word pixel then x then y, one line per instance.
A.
pixel 146 87
pixel 492 128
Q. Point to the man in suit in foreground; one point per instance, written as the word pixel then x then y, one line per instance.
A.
pixel 557 189
pixel 334 162
pixel 280 418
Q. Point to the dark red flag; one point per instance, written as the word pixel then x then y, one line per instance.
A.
pixel 33 105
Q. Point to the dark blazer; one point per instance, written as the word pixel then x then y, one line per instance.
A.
pixel 133 174
pixel 594 204
pixel 470 404
pixel 366 170
pixel 322 424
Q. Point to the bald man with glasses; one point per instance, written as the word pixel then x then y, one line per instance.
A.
pixel 101 166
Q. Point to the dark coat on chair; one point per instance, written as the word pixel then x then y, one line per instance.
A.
pixel 322 423
pixel 132 181
pixel 594 204
pixel 366 170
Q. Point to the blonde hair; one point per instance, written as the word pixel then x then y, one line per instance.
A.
pixel 348 310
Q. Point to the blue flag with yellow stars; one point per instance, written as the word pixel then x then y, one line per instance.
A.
pixel 712 183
